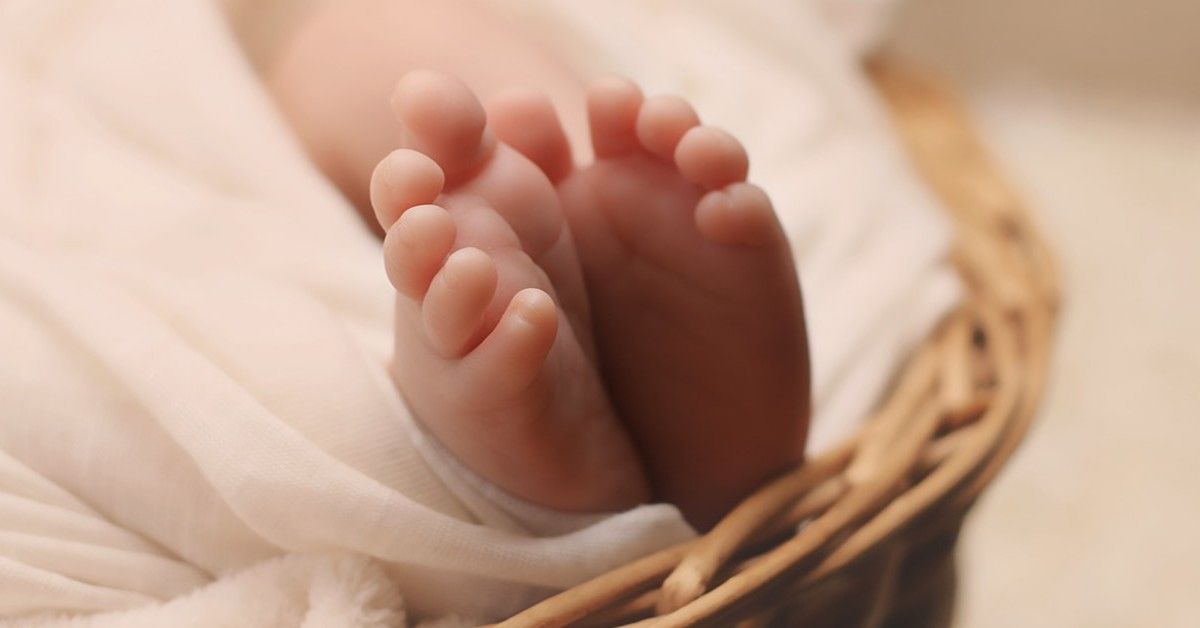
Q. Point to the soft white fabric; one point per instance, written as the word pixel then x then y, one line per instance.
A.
pixel 859 24
pixel 304 590
pixel 194 327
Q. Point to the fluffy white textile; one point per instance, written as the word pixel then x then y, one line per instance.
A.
pixel 196 425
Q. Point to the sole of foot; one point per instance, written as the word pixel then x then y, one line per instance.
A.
pixel 697 308
pixel 494 347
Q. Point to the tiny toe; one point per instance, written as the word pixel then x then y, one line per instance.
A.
pixel 403 179
pixel 443 119
pixel 712 158
pixel 415 247
pixel 740 214
pixel 457 300
pixel 527 121
pixel 510 359
pixel 613 105
pixel 662 122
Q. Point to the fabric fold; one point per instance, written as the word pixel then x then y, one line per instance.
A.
pixel 196 416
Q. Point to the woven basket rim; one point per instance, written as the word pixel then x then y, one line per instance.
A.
pixel 958 409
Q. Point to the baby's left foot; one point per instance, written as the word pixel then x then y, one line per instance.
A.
pixel 493 344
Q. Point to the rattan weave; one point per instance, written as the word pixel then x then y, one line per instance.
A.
pixel 864 534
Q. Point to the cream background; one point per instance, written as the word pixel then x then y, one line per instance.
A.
pixel 1093 108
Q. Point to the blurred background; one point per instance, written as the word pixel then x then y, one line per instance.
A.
pixel 1092 107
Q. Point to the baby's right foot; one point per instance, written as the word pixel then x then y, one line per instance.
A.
pixel 493 342
pixel 698 315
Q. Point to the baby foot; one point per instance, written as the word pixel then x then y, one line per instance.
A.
pixel 494 352
pixel 698 316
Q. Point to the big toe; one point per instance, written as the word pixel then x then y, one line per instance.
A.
pixel 527 121
pixel 442 118
pixel 612 106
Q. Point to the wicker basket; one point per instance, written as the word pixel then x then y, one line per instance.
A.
pixel 864 535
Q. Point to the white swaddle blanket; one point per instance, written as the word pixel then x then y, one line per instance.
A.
pixel 196 422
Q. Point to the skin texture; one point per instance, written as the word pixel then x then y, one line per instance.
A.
pixel 695 297
pixel 585 338
pixel 491 314
pixel 334 75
